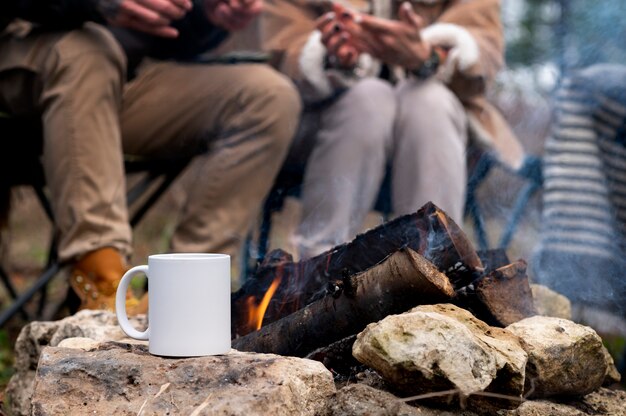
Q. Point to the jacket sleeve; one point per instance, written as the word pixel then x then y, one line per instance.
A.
pixel 55 14
pixel 288 28
pixel 473 34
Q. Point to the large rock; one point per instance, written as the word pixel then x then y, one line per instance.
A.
pixel 362 400
pixel 120 379
pixel 612 373
pixel 564 358
pixel 550 303
pixel 95 325
pixel 441 347
pixel 601 402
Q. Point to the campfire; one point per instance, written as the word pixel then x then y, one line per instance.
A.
pixel 417 259
pixel 316 307
pixel 404 318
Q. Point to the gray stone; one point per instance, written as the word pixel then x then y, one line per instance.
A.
pixel 551 303
pixel 437 348
pixel 124 379
pixel 95 325
pixel 612 375
pixel 362 400
pixel 601 402
pixel 542 408
pixel 564 358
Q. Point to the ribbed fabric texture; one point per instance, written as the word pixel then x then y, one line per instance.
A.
pixel 583 230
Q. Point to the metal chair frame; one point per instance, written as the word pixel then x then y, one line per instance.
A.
pixel 290 178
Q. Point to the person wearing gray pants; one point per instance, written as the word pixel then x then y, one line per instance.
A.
pixel 440 58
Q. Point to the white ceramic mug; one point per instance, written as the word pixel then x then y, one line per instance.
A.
pixel 189 304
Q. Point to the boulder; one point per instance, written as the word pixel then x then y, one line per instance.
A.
pixel 94 325
pixel 612 373
pixel 437 348
pixel 362 400
pixel 116 378
pixel 543 408
pixel 564 358
pixel 601 402
pixel 550 303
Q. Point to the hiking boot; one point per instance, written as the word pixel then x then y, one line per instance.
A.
pixel 95 278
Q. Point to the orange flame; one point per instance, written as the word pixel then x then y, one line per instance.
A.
pixel 256 313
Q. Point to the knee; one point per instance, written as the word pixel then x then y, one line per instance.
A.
pixel 372 99
pixel 91 51
pixel 363 117
pixel 276 102
pixel 428 97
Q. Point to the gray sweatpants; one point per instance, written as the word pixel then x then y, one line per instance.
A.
pixel 420 128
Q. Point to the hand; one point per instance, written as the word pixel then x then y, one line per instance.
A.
pixel 395 42
pixel 149 16
pixel 336 39
pixel 232 15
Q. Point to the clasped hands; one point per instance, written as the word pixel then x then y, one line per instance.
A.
pixel 346 34
pixel 155 16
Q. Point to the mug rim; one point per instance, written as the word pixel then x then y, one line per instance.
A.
pixel 188 256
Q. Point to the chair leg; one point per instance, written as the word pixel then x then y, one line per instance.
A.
pixel 518 210
pixel 52 259
pixel 19 303
pixel 6 281
pixel 479 173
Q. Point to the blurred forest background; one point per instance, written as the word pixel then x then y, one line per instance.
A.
pixel 561 35
pixel 545 39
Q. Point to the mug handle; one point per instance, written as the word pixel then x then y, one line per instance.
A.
pixel 120 304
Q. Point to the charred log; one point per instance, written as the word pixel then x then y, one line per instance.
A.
pixel 338 358
pixel 494 259
pixel 429 232
pixel 404 280
pixel 501 297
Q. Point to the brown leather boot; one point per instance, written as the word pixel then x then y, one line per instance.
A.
pixel 95 278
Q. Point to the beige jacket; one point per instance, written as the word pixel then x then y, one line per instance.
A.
pixel 470 29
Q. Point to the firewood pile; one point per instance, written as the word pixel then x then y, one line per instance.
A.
pixel 418 259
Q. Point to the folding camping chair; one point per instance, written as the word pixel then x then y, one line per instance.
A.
pixel 19 165
pixel 480 164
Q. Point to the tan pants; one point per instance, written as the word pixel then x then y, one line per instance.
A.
pixel 241 118
pixel 419 128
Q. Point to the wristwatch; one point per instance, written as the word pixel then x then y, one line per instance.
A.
pixel 429 66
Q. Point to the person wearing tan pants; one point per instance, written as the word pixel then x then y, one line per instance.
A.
pixel 241 118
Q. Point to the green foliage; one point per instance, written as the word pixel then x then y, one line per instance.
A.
pixel 530 32
pixel 570 33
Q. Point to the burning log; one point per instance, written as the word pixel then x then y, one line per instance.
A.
pixel 494 259
pixel 429 232
pixel 501 297
pixel 506 293
pixel 404 280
